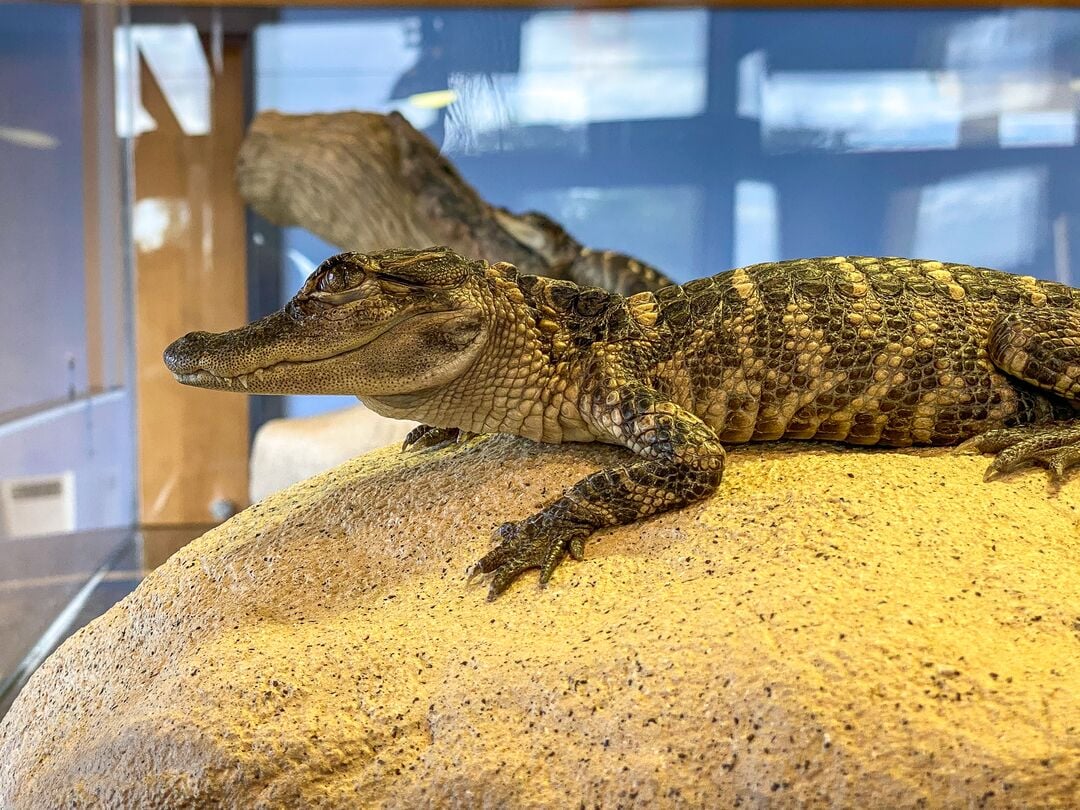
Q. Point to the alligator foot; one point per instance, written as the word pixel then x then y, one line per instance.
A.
pixel 426 437
pixel 1056 447
pixel 540 541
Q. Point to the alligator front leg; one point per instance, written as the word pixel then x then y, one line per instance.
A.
pixel 682 462
pixel 426 437
pixel 1043 350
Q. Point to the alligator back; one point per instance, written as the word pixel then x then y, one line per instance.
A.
pixel 865 350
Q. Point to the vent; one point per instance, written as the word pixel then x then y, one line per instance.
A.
pixel 38 505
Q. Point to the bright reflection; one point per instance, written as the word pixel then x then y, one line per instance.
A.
pixel 578 67
pixel 308 67
pixel 433 100
pixel 988 218
pixel 864 111
pixel 1008 41
pixel 132 118
pixel 303 266
pixel 1047 128
pixel 1062 265
pixel 175 58
pixel 757 223
pixel 861 111
pixel 483 107
pixel 29 138
pixel 157 220
pixel 751 78
pixel 484 119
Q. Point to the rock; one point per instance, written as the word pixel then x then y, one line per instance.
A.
pixel 286 451
pixel 837 627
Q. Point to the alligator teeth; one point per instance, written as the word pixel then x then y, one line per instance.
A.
pixel 243 381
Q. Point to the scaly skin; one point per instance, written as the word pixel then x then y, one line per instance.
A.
pixel 390 186
pixel 867 351
pixel 564 257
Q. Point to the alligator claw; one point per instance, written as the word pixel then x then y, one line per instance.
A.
pixel 473 573
pixel 426 437
pixel 538 541
pixel 1058 448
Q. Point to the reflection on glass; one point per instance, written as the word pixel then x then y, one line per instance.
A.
pixel 757 223
pixel 156 220
pixel 864 111
pixel 482 119
pixel 132 118
pixel 1039 128
pixel 1030 99
pixel 988 218
pixel 750 81
pixel 29 138
pixel 1009 40
pixel 659 224
pixel 303 265
pixel 612 66
pixel 701 140
pixel 312 66
pixel 174 56
pixel 1062 263
pixel 896 110
pixel 578 68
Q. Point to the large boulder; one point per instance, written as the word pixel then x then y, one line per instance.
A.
pixel 289 450
pixel 836 627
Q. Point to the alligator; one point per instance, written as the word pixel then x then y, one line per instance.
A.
pixel 867 351
pixel 392 187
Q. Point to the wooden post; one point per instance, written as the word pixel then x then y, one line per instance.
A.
pixel 190 275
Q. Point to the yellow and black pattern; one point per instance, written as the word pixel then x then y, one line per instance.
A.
pixel 861 350
pixel 870 351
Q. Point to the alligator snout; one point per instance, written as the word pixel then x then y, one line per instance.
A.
pixel 184 356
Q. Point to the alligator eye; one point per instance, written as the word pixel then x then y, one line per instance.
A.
pixel 332 281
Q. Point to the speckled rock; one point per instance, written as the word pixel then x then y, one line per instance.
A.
pixel 286 451
pixel 836 628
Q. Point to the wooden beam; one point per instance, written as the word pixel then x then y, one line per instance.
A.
pixel 190 275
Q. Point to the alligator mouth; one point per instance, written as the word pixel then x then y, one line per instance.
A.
pixel 246 381
pixel 204 378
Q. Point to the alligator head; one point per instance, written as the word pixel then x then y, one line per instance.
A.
pixel 385 324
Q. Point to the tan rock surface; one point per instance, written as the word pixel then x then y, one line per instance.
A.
pixel 286 451
pixel 836 627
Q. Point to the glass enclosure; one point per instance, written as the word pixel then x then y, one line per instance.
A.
pixel 704 139
pixel 67 440
pixel 694 139
pixel 65 402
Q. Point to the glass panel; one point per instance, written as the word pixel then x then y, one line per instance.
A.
pixel 66 410
pixel 698 140
pixel 41 226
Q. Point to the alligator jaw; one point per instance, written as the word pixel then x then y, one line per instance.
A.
pixel 186 357
pixel 348 371
pixel 272 379
pixel 207 379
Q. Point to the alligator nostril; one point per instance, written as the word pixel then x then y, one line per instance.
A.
pixel 183 356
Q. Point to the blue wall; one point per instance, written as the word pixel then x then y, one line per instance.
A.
pixel 50 422
pixel 43 331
